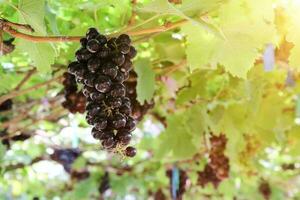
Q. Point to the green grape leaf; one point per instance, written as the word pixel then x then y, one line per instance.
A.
pixel 245 40
pixel 146 80
pixel 293 35
pixel 2 152
pixel 42 54
pixel 32 12
pixel 9 81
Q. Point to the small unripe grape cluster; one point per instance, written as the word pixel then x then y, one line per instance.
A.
pixel 218 167
pixel 102 66
pixel 74 101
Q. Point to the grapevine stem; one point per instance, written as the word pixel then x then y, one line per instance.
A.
pixel 7 27
pixel 21 92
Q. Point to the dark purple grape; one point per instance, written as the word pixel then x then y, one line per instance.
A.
pixel 97 96
pixel 83 42
pixel 126 76
pixel 101 39
pixel 83 55
pixel 97 134
pixel 119 121
pixel 118 58
pixel 127 66
pixel 73 67
pixel 110 70
pixel 108 143
pixel 87 91
pixel 91 104
pixel 118 90
pixel 93 45
pixel 90 119
pixel 130 124
pixel 79 80
pixel 123 38
pixel 130 151
pixel 120 77
pixel 103 52
pixel 111 43
pixel 132 52
pixel 124 48
pixel 89 79
pixel 126 101
pixel 100 123
pixel 114 102
pixel 93 64
pixel 124 137
pixel 103 84
pixel 125 109
pixel 92 33
pixel 94 110
pixel 80 73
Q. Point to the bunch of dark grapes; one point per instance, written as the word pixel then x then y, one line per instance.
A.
pixel 65 157
pixel 138 110
pixel 218 167
pixel 265 190
pixel 102 66
pixel 80 175
pixel 159 195
pixel 6 105
pixel 182 183
pixel 74 101
pixel 104 184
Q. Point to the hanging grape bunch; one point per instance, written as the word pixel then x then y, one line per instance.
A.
pixel 102 66
pixel 75 101
pixel 218 167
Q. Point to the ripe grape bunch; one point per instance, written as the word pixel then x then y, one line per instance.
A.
pixel 75 101
pixel 102 66
pixel 218 167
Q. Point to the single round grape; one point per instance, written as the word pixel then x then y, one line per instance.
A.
pixel 114 102
pixel 97 96
pixel 132 52
pixel 130 151
pixel 103 52
pixel 110 71
pixel 89 79
pixel 103 84
pixel 87 90
pixel 119 121
pixel 97 134
pixel 83 55
pixel 120 77
pixel 111 43
pixel 126 101
pixel 101 39
pixel 127 66
pixel 126 76
pixel 79 80
pixel 73 67
pixel 80 73
pixel 93 64
pixel 118 90
pixel 90 119
pixel 125 109
pixel 94 110
pixel 118 58
pixel 83 42
pixel 124 137
pixel 130 124
pixel 123 38
pixel 92 33
pixel 91 104
pixel 124 48
pixel 108 143
pixel 93 45
pixel 100 123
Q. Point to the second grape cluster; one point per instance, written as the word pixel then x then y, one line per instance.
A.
pixel 102 66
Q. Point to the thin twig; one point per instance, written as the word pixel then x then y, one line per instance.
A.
pixel 33 38
pixel 13 94
pixel 25 27
pixel 26 78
